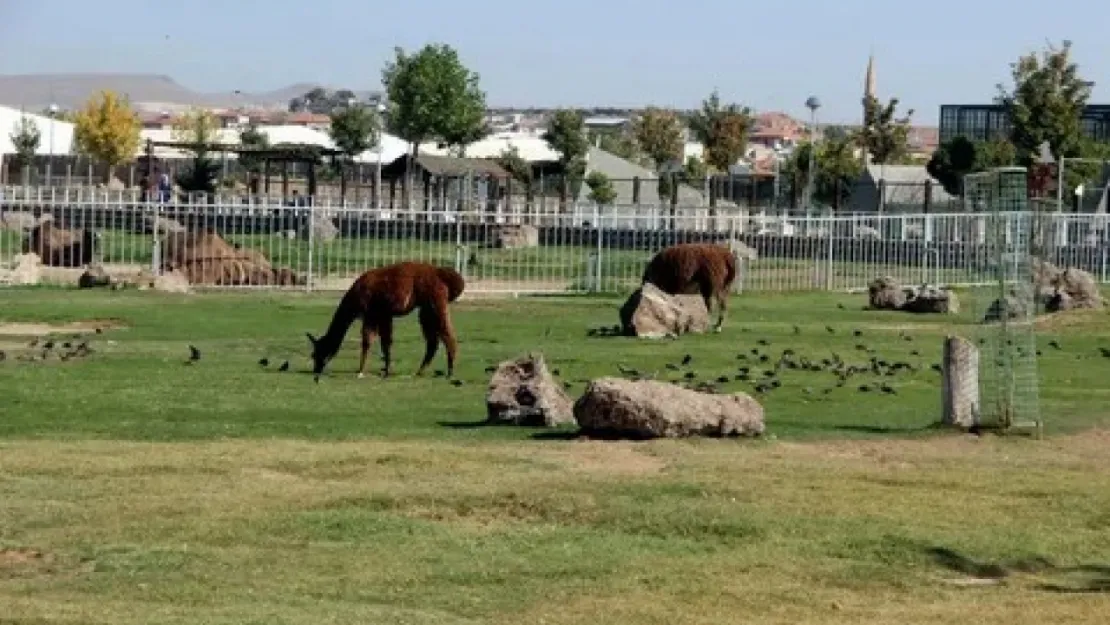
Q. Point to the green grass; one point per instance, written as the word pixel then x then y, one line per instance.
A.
pixel 138 489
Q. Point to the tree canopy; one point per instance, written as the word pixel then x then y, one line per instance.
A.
pixel 566 134
pixel 602 192
pixel 723 130
pixel 106 129
pixel 961 156
pixel 884 135
pixel 354 129
pixel 25 136
pixel 837 170
pixel 433 96
pixel 658 134
pixel 321 101
pixel 200 129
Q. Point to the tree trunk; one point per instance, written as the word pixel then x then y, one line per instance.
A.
pixel 960 383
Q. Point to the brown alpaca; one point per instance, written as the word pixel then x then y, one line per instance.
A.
pixel 689 268
pixel 381 294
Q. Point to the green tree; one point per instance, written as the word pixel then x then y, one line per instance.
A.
pixel 566 134
pixel 620 143
pixel 511 160
pixel 25 138
pixel 961 156
pixel 722 130
pixel 837 170
pixel 354 130
pixel 199 129
pixel 602 192
pixel 695 169
pixel 432 95
pixel 884 135
pixel 658 134
pixel 251 137
pixel 106 129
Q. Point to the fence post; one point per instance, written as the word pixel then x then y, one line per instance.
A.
pixel 311 251
pixel 597 251
pixel 829 257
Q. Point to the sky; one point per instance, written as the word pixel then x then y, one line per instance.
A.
pixel 768 55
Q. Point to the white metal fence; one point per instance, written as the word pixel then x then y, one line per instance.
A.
pixel 512 249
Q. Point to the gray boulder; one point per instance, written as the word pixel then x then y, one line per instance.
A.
pixel 644 409
pixel 524 392
pixel 652 313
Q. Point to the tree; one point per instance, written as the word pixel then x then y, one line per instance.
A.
pixel 602 192
pixel 511 161
pixel 106 129
pixel 722 130
pixel 566 134
pixel 884 135
pixel 695 169
pixel 961 156
pixel 1046 103
pixel 200 130
pixel 621 144
pixel 658 134
pixel 354 130
pixel 25 138
pixel 252 137
pixel 432 95
pixel 837 170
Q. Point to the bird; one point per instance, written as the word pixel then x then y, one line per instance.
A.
pixel 830 330
pixel 555 372
pixel 936 367
pixel 915 353
pixel 265 362
pixel 687 359
pixel 864 388
pixel 797 330
pixel 690 375
pixel 456 382
pixel 284 366
pixel 857 332
pixel 194 354
pixel 1054 344
pixel 629 371
pixel 889 390
pixel 722 379
pixel 1105 352
pixel 491 368
pixel 99 330
pixel 3 356
pixel 763 342
pixel 671 366
pixel 840 305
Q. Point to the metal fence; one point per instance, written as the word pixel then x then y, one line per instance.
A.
pixel 513 249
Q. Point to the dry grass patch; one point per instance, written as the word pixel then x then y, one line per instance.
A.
pixel 571 532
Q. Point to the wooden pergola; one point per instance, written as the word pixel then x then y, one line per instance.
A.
pixel 306 153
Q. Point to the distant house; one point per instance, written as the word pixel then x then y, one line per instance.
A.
pixel 899 189
pixel 622 174
pixel 429 166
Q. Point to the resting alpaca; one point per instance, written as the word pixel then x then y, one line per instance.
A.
pixel 381 294
pixel 689 268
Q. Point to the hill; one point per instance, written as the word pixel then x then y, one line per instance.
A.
pixel 37 91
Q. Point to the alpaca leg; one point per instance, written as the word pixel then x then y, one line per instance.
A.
pixel 386 334
pixel 429 327
pixel 367 341
pixel 722 307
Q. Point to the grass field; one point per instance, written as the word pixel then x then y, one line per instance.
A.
pixel 138 489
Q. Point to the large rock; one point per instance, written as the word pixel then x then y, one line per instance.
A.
pixel 1044 273
pixel 885 294
pixel 26 270
pixel 931 299
pixel 524 392
pixel 615 407
pixel 960 383
pixel 1074 289
pixel 652 313
pixel 21 222
pixel 517 236
pixel 1013 306
pixel 321 228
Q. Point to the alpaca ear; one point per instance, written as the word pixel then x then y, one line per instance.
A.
pixel 311 339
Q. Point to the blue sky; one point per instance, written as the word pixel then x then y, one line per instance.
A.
pixel 770 55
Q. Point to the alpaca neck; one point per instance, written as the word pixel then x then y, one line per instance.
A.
pixel 340 322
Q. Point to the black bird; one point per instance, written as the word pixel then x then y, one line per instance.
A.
pixel 672 366
pixel 797 330
pixel 194 354
pixel 755 351
pixel 936 367
pixel 1105 352
pixel 48 345
pixel 775 383
pixel 864 388
pixel 741 356
pixel 768 374
pixel 284 366
pixel 265 362
pixel 722 379
pixel 744 369
pixel 915 353
pixel 567 385
pixel 456 382
pixel 763 342
pixel 764 358
pixel 743 377
pixel 762 388
pixel 67 345
pixel 861 347
pixel 1054 344
pixel 628 370
pixel 690 375
pixel 99 330
pixel 857 332
pixel 906 337
pixel 889 390
pixel 830 330
pixel 840 306
pixel 491 368
pixel 555 372
pixel 687 359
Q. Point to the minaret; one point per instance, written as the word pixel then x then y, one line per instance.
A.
pixel 869 91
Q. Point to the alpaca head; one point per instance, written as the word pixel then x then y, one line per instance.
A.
pixel 321 355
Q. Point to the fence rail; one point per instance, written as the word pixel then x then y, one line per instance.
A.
pixel 506 249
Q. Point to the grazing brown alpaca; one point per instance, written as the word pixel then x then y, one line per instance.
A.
pixel 689 268
pixel 381 294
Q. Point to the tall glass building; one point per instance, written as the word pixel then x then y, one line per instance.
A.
pixel 985 121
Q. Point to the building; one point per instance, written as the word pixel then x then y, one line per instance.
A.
pixel 981 122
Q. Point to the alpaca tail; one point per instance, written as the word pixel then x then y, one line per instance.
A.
pixel 454 281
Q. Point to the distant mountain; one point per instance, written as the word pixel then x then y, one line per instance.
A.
pixel 149 91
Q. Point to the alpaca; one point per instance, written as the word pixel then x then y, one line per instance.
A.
pixel 689 268
pixel 381 294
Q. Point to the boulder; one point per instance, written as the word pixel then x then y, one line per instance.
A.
pixel 162 225
pixel 323 229
pixel 885 294
pixel 94 276
pixel 1011 307
pixel 517 236
pixel 25 270
pixel 171 282
pixel 1074 289
pixel 1044 273
pixel 21 222
pixel 524 392
pixel 643 409
pixel 652 313
pixel 931 299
